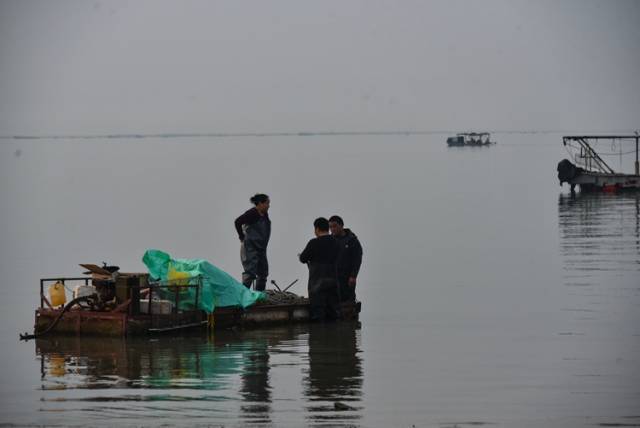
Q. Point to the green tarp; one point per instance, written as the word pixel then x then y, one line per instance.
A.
pixel 218 287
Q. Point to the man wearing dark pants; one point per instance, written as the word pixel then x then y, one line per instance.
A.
pixel 321 254
pixel 349 258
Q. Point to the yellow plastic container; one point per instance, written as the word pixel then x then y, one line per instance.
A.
pixel 57 366
pixel 57 295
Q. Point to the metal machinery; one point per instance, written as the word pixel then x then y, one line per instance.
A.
pixel 111 302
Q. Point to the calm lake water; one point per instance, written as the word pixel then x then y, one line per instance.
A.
pixel 491 296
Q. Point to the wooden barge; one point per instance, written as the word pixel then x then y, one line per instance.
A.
pixel 589 171
pixel 128 313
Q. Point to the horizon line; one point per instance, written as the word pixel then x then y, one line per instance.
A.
pixel 134 135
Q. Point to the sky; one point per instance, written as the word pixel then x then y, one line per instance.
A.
pixel 156 66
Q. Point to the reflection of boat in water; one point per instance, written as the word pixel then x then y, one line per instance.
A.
pixel 163 362
pixel 588 169
pixel 470 139
pixel 208 375
pixel 197 374
pixel 599 236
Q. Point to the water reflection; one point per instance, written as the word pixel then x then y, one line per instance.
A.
pixel 198 376
pixel 256 390
pixel 599 233
pixel 103 363
pixel 333 385
pixel 223 379
pixel 600 246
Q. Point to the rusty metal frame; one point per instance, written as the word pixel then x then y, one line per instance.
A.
pixel 592 158
pixel 177 288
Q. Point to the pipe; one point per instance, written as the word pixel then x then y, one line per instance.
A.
pixel 27 336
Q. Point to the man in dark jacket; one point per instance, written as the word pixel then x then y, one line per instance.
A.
pixel 321 254
pixel 254 231
pixel 349 258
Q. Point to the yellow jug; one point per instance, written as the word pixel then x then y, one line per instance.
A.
pixel 57 366
pixel 57 295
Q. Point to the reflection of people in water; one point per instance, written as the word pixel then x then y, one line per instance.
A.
pixel 256 371
pixel 256 390
pixel 335 367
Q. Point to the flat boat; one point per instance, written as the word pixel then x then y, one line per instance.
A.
pixel 588 169
pixel 133 306
pixel 470 139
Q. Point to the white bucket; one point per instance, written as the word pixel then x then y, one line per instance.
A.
pixel 83 290
pixel 160 307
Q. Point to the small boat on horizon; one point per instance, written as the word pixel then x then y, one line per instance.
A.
pixel 470 139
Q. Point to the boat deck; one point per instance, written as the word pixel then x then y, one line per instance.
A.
pixel 110 323
pixel 593 181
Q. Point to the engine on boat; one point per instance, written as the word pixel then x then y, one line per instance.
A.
pixel 105 288
pixel 567 171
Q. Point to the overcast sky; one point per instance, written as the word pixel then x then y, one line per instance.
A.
pixel 74 67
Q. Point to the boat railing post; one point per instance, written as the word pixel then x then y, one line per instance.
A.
pixel 150 300
pixel 637 165
pixel 175 308
pixel 41 294
pixel 197 291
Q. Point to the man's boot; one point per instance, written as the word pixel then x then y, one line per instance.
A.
pixel 261 284
pixel 247 281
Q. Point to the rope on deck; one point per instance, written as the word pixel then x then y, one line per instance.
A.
pixel 275 297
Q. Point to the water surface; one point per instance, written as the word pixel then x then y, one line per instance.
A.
pixel 490 294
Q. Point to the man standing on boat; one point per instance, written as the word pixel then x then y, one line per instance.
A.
pixel 349 258
pixel 254 230
pixel 321 254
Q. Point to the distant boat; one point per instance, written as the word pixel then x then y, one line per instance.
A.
pixel 589 171
pixel 470 139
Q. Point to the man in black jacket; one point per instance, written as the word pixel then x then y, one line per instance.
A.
pixel 349 258
pixel 321 254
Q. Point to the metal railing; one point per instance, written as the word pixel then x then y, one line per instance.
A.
pixel 61 280
pixel 177 290
pixel 174 291
pixel 589 159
